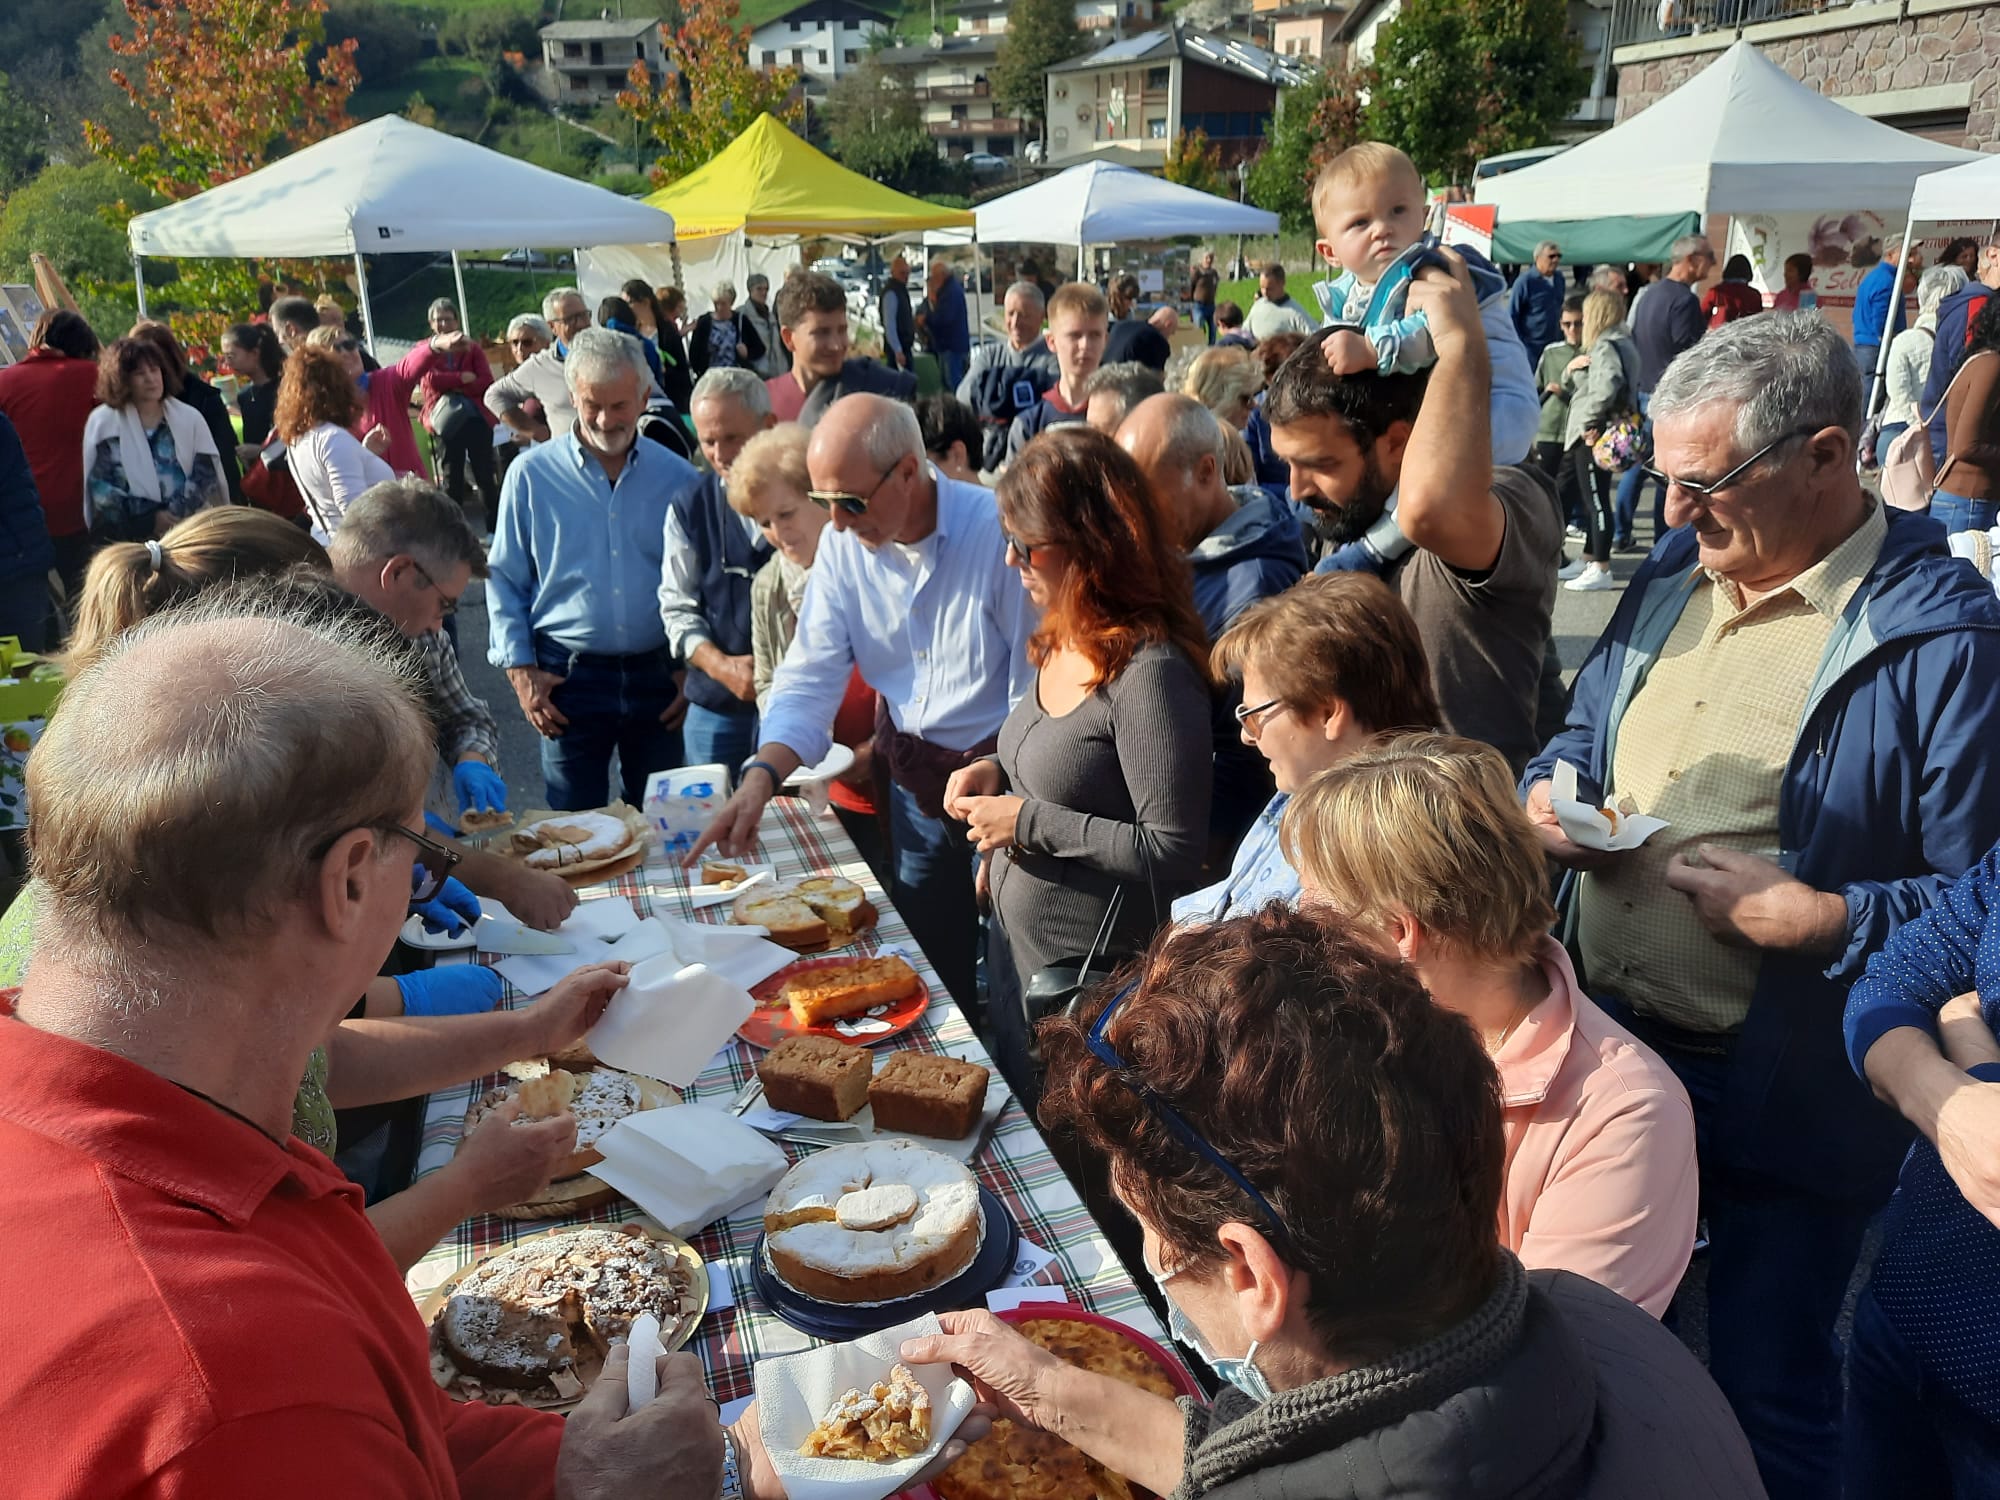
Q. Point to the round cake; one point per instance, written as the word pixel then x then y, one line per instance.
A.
pixel 872 1222
pixel 599 1099
pixel 549 1305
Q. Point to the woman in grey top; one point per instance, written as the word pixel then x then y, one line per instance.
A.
pixel 1101 783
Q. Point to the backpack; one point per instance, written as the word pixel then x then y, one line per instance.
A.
pixel 1000 394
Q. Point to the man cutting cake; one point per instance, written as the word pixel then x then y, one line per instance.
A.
pixel 913 588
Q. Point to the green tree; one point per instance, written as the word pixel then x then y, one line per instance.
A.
pixel 483 32
pixel 76 217
pixel 24 138
pixel 1193 161
pixel 875 126
pixel 387 38
pixel 1040 34
pixel 1458 80
pixel 710 95
pixel 1317 119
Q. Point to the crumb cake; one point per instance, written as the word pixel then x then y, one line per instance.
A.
pixel 808 915
pixel 848 987
pixel 599 1098
pixel 890 1420
pixel 872 1222
pixel 530 1316
pixel 815 1076
pixel 1022 1463
pixel 928 1095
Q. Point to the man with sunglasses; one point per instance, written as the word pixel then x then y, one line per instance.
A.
pixel 539 377
pixel 911 586
pixel 1804 686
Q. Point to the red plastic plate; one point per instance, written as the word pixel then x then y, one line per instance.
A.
pixel 770 1023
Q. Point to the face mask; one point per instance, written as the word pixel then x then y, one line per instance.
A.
pixel 1241 1373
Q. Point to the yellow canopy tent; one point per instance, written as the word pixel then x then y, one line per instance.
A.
pixel 749 208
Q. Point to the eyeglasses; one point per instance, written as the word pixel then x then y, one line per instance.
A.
pixel 435 861
pixel 1165 1113
pixel 1245 715
pixel 571 320
pixel 1715 487
pixel 1023 550
pixel 450 604
pixel 522 340
pixel 853 505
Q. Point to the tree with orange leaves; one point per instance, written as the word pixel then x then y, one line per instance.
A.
pixel 710 94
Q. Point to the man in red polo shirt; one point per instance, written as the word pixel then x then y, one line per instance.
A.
pixel 226 813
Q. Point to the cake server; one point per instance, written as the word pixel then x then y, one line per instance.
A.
pixel 507 934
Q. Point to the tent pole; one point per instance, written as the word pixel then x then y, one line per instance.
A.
pixel 464 307
pixel 139 282
pixel 1888 328
pixel 367 313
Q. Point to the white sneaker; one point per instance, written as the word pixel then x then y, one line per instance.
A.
pixel 1594 577
pixel 1576 534
pixel 1570 570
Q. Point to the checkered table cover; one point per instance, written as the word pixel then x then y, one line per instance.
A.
pixel 1014 1161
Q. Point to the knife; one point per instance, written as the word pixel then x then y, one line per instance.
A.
pixel 494 934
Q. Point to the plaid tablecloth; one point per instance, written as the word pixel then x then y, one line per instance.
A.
pixel 1014 1161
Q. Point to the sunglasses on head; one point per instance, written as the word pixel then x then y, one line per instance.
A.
pixel 853 505
pixel 1101 1048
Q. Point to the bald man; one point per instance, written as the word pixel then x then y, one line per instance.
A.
pixel 1242 545
pixel 911 585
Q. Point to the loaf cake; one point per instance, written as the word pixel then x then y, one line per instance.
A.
pixel 928 1095
pixel 848 988
pixel 599 1098
pixel 815 1076
pixel 888 1421
pixel 534 1314
pixel 810 915
pixel 872 1222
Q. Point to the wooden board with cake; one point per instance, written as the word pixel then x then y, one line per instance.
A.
pixel 858 1001
pixel 582 847
pixel 532 1325
pixel 598 1096
pixel 808 916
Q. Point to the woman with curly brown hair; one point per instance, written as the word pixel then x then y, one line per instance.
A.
pixel 1099 791
pixel 148 458
pixel 318 405
pixel 1313 1152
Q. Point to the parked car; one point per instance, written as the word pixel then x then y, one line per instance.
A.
pixel 537 259
pixel 986 164
pixel 1037 153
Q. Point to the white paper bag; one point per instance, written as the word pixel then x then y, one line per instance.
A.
pixel 669 1020
pixel 1591 827
pixel 794 1392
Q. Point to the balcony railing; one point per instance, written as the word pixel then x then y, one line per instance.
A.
pixel 944 93
pixel 998 125
pixel 1637 21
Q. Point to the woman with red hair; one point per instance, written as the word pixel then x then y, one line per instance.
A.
pixel 1099 791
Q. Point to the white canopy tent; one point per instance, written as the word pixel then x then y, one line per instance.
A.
pixel 1098 203
pixel 1971 191
pixel 1742 136
pixel 392 186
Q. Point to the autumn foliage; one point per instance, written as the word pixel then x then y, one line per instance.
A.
pixel 710 94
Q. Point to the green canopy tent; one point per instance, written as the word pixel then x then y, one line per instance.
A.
pixel 1593 242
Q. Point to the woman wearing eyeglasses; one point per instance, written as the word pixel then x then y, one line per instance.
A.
pixel 1421 850
pixel 385 395
pixel 1100 785
pixel 319 405
pixel 1328 668
pixel 1313 1151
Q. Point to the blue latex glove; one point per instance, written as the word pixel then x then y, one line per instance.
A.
pixel 480 788
pixel 460 990
pixel 451 910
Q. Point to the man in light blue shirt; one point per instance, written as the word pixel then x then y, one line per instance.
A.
pixel 573 595
pixel 912 586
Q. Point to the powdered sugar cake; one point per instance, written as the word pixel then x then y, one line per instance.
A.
pixel 542 1316
pixel 872 1222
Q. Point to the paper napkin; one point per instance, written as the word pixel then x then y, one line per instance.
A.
pixel 1592 827
pixel 690 1167
pixel 669 1020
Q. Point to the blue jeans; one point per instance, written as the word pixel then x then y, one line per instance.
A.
pixel 1780 1261
pixel 1961 514
pixel 1905 1437
pixel 1888 434
pixel 708 737
pixel 1204 318
pixel 1629 484
pixel 954 369
pixel 931 883
pixel 613 703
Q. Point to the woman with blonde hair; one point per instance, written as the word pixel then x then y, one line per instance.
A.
pixel 1603 385
pixel 319 404
pixel 1226 380
pixel 1421 848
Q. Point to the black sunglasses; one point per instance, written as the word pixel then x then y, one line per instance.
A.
pixel 1021 549
pixel 853 505
pixel 1165 1113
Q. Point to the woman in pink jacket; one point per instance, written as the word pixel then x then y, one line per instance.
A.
pixel 1422 845
pixel 385 393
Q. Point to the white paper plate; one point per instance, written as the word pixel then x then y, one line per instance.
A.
pixel 838 760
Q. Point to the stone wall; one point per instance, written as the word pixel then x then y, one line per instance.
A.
pixel 1922 51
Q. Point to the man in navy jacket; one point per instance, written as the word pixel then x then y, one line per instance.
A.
pixel 1955 317
pixel 1807 688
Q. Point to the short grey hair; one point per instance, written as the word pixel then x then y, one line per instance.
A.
pixel 535 324
pixel 1609 279
pixel 1892 244
pixel 1686 245
pixel 723 291
pixel 722 383
pixel 600 354
pixel 1936 284
pixel 555 297
pixel 897 436
pixel 407 518
pixel 1027 291
pixel 1193 433
pixel 1130 380
pixel 757 279
pixel 440 304
pixel 1545 247
pixel 1780 372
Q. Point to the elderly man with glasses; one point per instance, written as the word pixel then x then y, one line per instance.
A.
pixel 1804 686
pixel 538 377
pixel 912 587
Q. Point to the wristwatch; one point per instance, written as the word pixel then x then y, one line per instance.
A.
pixel 732 1483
